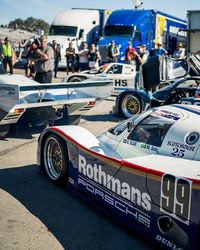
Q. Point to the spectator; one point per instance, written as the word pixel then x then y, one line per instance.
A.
pixel 29 67
pixel 1 50
pixel 70 57
pixel 94 57
pixel 57 56
pixel 130 54
pixel 43 58
pixel 179 53
pixel 113 52
pixel 7 52
pixel 140 57
pixel 83 57
pixel 160 51
pixel 21 49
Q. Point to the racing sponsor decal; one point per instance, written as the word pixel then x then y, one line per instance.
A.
pixel 180 148
pixel 5 91
pixel 127 141
pixel 176 197
pixel 167 114
pixel 143 145
pixel 112 201
pixel 167 243
pixel 95 172
pixel 121 82
pixel 149 147
pixel 178 152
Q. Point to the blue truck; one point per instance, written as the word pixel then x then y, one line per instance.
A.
pixel 141 26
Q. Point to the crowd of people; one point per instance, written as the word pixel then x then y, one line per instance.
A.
pixel 43 58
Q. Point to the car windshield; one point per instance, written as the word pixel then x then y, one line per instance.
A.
pixel 152 129
pixel 100 70
pixel 118 30
pixel 176 68
pixel 120 127
pixel 58 30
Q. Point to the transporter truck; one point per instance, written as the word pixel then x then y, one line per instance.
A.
pixel 141 26
pixel 77 26
pixel 193 38
pixel 193 41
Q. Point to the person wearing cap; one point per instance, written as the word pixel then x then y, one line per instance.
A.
pixel 43 58
pixel 141 56
pixel 113 52
pixel 160 51
pixel 7 53
pixel 130 54
pixel 179 53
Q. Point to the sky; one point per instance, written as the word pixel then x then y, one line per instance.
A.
pixel 47 9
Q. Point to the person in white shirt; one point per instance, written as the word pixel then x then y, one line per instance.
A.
pixel 83 57
pixel 179 53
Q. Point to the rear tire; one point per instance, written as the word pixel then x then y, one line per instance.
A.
pixel 130 105
pixel 76 79
pixel 56 161
pixel 4 130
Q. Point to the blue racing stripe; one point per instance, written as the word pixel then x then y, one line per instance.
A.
pixel 192 110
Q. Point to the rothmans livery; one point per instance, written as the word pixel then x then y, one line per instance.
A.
pixel 145 171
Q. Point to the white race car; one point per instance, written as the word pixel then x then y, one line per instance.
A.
pixel 122 75
pixel 144 172
pixel 41 103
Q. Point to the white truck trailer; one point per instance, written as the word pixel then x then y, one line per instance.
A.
pixel 193 38
pixel 77 26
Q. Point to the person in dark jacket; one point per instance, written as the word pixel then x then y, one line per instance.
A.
pixel 93 57
pixel 57 56
pixel 70 57
pixel 113 52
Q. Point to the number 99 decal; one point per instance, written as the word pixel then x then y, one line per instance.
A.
pixel 176 197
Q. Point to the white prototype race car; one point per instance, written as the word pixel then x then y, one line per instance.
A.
pixel 123 76
pixel 145 171
pixel 41 103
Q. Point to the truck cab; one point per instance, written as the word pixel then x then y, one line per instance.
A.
pixel 77 26
pixel 140 26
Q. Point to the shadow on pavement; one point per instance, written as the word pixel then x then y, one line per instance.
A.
pixel 74 224
pixel 22 130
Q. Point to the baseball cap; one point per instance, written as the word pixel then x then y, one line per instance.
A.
pixel 140 45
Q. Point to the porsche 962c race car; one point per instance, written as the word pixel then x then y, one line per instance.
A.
pixel 123 76
pixel 145 171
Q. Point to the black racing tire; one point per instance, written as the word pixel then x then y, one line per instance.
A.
pixel 4 130
pixel 56 160
pixel 76 79
pixel 130 105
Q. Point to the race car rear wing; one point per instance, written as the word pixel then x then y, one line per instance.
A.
pixel 18 93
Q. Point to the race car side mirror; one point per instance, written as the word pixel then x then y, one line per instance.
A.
pixel 130 126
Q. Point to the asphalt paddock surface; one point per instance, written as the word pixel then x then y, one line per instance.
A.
pixel 36 214
pixel 43 216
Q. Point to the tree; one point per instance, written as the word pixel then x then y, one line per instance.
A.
pixel 31 24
